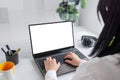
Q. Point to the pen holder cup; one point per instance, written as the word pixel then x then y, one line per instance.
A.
pixel 13 57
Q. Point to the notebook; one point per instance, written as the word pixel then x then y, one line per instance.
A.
pixel 54 39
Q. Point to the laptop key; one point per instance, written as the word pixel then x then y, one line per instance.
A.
pixel 59 58
pixel 79 54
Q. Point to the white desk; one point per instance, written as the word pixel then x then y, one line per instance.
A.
pixel 27 69
pixel 78 32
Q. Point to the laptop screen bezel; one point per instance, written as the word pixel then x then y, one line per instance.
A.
pixel 52 51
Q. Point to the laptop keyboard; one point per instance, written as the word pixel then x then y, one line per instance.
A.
pixel 59 58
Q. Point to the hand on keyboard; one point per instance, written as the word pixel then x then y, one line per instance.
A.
pixel 72 58
pixel 51 64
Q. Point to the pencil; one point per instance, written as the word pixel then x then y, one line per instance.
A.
pixel 9 50
pixel 16 52
pixel 4 51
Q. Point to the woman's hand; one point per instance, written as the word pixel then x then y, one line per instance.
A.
pixel 51 64
pixel 75 60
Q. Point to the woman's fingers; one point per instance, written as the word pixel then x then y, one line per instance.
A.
pixel 68 61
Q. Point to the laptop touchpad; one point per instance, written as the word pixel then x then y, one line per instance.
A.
pixel 65 68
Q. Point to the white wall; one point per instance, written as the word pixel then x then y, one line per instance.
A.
pixel 18 14
pixel 88 17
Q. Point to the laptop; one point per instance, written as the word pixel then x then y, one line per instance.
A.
pixel 53 39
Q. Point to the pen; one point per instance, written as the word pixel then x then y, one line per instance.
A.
pixel 4 51
pixel 16 52
pixel 7 46
pixel 9 50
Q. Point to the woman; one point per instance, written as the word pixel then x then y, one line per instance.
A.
pixel 106 64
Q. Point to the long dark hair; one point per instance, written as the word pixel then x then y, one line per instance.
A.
pixel 109 39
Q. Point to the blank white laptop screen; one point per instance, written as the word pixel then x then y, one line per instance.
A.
pixel 51 36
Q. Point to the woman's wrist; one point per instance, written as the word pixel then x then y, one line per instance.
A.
pixel 82 61
pixel 51 71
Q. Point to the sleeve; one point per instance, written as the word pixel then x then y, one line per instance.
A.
pixel 51 75
pixel 98 69
pixel 82 72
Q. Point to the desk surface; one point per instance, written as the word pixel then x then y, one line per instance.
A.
pixel 28 70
